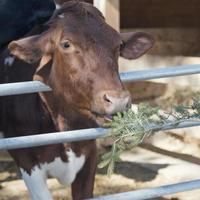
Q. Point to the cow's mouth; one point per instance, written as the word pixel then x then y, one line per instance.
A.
pixel 108 117
pixel 102 119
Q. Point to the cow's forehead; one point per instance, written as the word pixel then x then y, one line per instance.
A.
pixel 83 22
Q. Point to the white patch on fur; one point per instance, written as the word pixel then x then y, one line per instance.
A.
pixel 57 6
pixel 8 61
pixel 61 16
pixel 36 184
pixel 65 172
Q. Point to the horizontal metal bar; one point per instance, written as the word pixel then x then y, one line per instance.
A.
pixel 153 192
pixel 23 88
pixel 36 86
pixel 52 138
pixel 160 73
pixel 70 136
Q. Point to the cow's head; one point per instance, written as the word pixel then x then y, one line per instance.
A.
pixel 79 59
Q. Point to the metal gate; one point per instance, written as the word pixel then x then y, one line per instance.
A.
pixel 87 134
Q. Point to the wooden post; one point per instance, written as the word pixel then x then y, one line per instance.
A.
pixel 111 11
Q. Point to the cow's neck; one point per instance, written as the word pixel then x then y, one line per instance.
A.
pixel 66 117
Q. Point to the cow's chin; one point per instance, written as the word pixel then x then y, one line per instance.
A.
pixel 100 121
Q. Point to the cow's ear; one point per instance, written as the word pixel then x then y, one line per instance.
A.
pixel 27 49
pixel 135 44
pixel 32 49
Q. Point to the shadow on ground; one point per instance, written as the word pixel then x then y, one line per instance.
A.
pixel 134 170
pixel 8 171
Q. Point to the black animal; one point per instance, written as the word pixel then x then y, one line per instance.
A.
pixel 17 17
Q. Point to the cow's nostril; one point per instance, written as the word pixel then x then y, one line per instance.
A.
pixel 106 98
pixel 113 101
pixel 128 105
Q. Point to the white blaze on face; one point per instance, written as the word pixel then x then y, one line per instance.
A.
pixel 65 172
pixel 8 61
pixel 57 5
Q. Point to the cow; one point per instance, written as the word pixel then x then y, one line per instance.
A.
pixel 76 54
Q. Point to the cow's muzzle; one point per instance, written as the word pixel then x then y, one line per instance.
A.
pixel 110 102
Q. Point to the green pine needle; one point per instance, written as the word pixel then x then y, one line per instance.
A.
pixel 128 129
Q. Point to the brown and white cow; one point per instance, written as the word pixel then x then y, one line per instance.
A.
pixel 77 56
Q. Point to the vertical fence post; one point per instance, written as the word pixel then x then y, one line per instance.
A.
pixel 111 11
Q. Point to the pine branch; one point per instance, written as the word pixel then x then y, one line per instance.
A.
pixel 128 129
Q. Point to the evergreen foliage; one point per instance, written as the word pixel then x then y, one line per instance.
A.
pixel 128 129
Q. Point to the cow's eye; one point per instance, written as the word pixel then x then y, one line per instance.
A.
pixel 65 44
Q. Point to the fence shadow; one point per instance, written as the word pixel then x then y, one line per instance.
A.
pixel 141 172
pixel 8 171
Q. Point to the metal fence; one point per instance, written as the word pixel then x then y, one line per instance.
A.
pixel 37 86
pixel 86 134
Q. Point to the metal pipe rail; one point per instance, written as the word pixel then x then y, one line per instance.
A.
pixel 37 86
pixel 150 193
pixel 52 138
pixel 23 88
pixel 160 73
pixel 72 136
